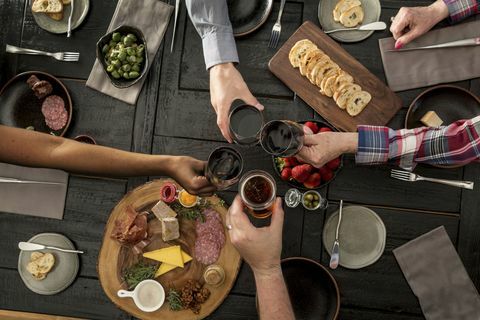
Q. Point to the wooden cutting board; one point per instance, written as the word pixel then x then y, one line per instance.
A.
pixel 113 257
pixel 383 106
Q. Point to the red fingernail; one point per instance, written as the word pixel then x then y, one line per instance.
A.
pixel 398 45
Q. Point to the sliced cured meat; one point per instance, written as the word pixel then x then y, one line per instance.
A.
pixel 132 228
pixel 57 124
pixel 206 251
pixel 42 89
pixel 32 80
pixel 52 107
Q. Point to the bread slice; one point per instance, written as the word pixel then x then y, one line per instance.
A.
pixel 345 93
pixel 45 263
pixel 36 255
pixel 344 5
pixel 307 58
pixel 65 2
pixel 298 50
pixel 56 16
pixel 357 102
pixel 47 6
pixel 352 17
pixel 342 78
pixel 328 84
pixel 312 63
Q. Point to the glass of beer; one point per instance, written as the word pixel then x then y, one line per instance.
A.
pixel 224 166
pixel 282 138
pixel 258 190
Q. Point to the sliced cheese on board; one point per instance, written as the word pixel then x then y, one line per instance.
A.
pixel 166 267
pixel 171 255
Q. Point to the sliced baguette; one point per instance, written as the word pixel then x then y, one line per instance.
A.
pixel 47 6
pixel 55 16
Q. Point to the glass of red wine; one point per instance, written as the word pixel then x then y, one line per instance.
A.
pixel 282 138
pixel 246 122
pixel 258 190
pixel 224 166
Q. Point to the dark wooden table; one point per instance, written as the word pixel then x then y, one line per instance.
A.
pixel 174 116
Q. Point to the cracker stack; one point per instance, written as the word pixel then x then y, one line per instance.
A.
pixel 349 13
pixel 334 82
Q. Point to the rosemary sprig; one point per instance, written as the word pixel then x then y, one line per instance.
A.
pixel 174 300
pixel 190 213
pixel 137 273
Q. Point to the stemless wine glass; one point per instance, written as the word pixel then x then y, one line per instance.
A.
pixel 258 190
pixel 246 122
pixel 224 166
pixel 282 138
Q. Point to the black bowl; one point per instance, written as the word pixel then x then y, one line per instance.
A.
pixel 123 83
pixel 298 185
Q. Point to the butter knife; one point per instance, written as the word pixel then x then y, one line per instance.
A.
pixel 457 43
pixel 13 180
pixel 335 257
pixel 69 28
pixel 30 246
pixel 177 7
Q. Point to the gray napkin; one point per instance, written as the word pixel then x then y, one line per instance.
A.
pixel 438 278
pixel 40 200
pixel 420 68
pixel 151 17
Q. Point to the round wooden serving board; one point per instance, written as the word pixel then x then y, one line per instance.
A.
pixel 113 257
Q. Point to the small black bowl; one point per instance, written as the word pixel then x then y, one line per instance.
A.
pixel 121 82
pixel 299 185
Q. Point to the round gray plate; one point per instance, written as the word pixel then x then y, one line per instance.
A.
pixel 79 13
pixel 372 11
pixel 63 272
pixel 362 236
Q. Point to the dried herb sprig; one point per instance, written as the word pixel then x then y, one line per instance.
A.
pixel 137 273
pixel 174 300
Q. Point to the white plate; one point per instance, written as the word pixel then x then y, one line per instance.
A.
pixel 63 272
pixel 371 8
pixel 80 10
pixel 362 236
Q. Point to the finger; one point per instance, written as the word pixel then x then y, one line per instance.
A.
pixel 305 155
pixel 237 217
pixel 223 123
pixel 307 130
pixel 278 216
pixel 248 98
pixel 407 38
pixel 310 139
pixel 401 21
pixel 199 166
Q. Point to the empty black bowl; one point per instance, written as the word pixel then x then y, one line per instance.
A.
pixel 121 82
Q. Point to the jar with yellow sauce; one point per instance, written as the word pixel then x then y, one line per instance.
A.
pixel 187 200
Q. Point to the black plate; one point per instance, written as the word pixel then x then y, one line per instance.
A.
pixel 313 291
pixel 247 16
pixel 19 107
pixel 451 103
pixel 300 186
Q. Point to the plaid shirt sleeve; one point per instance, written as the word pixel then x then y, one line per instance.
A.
pixel 461 9
pixel 458 143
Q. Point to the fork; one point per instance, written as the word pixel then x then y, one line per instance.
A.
pixel 277 28
pixel 61 56
pixel 409 176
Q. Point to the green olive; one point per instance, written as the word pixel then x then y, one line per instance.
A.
pixel 136 67
pixel 110 68
pixel 133 74
pixel 105 48
pixel 309 196
pixel 315 197
pixel 116 36
pixel 115 74
pixel 125 75
pixel 128 41
pixel 112 43
pixel 126 67
pixel 132 36
pixel 122 56
pixel 140 59
pixel 120 46
pixel 116 63
pixel 131 51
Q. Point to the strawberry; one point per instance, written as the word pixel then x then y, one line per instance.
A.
pixel 333 164
pixel 290 162
pixel 286 174
pixel 326 173
pixel 325 129
pixel 312 125
pixel 313 181
pixel 301 172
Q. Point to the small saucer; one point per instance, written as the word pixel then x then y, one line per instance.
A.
pixel 362 236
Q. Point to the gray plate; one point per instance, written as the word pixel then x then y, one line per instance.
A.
pixel 362 236
pixel 372 11
pixel 79 13
pixel 63 272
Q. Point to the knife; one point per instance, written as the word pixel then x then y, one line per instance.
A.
pixel 30 246
pixel 457 43
pixel 13 180
pixel 177 7
pixel 335 257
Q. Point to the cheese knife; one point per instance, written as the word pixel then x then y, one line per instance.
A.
pixel 335 257
pixel 30 246
pixel 13 180
pixel 177 7
pixel 451 44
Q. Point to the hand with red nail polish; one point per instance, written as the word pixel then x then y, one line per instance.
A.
pixel 410 23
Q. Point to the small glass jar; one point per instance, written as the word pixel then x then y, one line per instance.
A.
pixel 310 200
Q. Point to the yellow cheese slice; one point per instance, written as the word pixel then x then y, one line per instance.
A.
pixel 171 255
pixel 166 267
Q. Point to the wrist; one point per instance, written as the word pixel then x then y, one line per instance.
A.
pixel 222 67
pixel 348 142
pixel 266 273
pixel 439 10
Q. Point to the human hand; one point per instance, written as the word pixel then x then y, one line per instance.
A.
pixel 226 85
pixel 410 23
pixel 260 247
pixel 188 172
pixel 322 147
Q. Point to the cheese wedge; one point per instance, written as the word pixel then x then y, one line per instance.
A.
pixel 166 267
pixel 171 255
pixel 161 210
pixel 431 119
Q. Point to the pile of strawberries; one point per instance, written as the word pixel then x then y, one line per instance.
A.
pixel 292 169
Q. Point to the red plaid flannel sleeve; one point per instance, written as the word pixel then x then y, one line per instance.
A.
pixel 461 9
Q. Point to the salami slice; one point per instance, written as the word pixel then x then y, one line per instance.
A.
pixel 57 124
pixel 52 107
pixel 206 251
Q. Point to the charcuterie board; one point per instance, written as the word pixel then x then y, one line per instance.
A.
pixel 115 257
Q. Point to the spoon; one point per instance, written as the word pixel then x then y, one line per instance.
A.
pixel 335 258
pixel 379 25
pixel 29 246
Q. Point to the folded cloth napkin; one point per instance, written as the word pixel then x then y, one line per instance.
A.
pixel 151 17
pixel 438 278
pixel 420 68
pixel 42 200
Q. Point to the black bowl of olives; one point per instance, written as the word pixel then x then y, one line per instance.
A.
pixel 123 55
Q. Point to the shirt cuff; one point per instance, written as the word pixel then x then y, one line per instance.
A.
pixel 460 9
pixel 373 145
pixel 219 48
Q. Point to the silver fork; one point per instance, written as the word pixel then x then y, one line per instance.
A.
pixel 409 176
pixel 277 28
pixel 61 56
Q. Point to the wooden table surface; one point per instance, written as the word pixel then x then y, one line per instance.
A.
pixel 173 116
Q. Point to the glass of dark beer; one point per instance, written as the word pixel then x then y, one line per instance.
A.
pixel 258 190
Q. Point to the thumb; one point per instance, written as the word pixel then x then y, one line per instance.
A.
pixel 310 139
pixel 406 38
pixel 248 98
pixel 277 216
